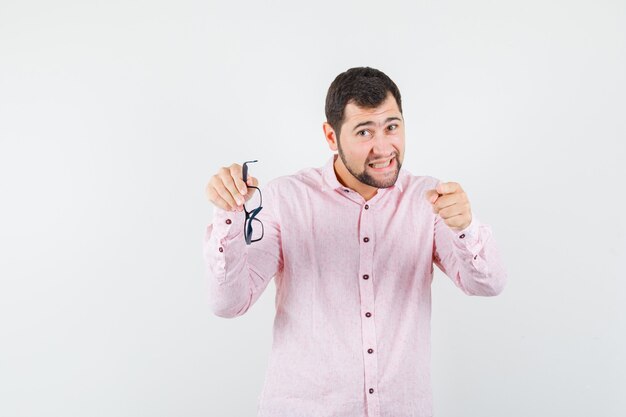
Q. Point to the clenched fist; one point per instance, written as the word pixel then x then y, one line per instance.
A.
pixel 451 203
pixel 227 190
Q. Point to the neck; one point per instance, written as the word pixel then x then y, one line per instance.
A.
pixel 348 180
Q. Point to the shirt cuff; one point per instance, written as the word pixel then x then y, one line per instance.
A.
pixel 228 224
pixel 468 238
pixel 470 230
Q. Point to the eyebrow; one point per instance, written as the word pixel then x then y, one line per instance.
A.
pixel 369 122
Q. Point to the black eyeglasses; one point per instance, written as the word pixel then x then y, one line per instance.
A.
pixel 252 207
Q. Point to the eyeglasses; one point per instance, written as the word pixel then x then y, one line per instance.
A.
pixel 252 207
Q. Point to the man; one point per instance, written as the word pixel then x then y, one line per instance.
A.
pixel 352 247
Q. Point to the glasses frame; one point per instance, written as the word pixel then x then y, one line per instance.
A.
pixel 251 215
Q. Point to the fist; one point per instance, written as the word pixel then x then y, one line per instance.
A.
pixel 451 203
pixel 227 190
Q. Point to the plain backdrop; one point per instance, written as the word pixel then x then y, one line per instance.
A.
pixel 114 115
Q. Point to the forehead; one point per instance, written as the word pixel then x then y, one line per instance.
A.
pixel 355 114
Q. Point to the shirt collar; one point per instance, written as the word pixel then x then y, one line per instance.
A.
pixel 330 181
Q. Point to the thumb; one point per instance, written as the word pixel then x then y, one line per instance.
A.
pixel 432 195
pixel 253 181
pixel 250 191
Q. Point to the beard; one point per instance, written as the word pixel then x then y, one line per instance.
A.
pixel 365 177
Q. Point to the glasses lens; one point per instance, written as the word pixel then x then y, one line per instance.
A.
pixel 257 229
pixel 254 201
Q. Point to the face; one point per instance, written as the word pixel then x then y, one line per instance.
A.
pixel 371 143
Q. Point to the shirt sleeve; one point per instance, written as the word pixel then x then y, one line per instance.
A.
pixel 238 273
pixel 469 257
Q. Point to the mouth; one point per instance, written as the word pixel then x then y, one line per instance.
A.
pixel 384 165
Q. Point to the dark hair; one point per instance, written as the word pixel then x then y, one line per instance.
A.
pixel 366 87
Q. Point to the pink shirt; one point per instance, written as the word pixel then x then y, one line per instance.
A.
pixel 351 334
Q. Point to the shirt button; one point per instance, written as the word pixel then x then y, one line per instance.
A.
pixel 462 236
pixel 221 249
pixel 366 239
pixel 367 206
pixel 475 256
pixel 228 221
pixel 364 276
pixel 368 314
pixel 371 390
pixel 347 191
pixel 370 350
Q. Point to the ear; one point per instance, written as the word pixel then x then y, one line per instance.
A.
pixel 329 134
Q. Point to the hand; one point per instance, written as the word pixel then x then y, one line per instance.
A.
pixel 227 190
pixel 451 203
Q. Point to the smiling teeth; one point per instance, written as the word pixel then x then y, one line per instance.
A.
pixel 383 165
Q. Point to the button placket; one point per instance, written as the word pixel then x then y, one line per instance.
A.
pixel 366 287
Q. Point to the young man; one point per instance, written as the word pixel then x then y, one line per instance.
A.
pixel 352 246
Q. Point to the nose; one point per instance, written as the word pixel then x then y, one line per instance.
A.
pixel 382 147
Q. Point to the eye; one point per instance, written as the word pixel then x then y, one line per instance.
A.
pixel 362 133
pixel 392 127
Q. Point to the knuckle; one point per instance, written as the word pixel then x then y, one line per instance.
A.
pixel 230 196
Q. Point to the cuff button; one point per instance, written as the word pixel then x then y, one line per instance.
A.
pixel 228 221
pixel 462 236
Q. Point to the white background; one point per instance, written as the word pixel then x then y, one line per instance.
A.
pixel 114 114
